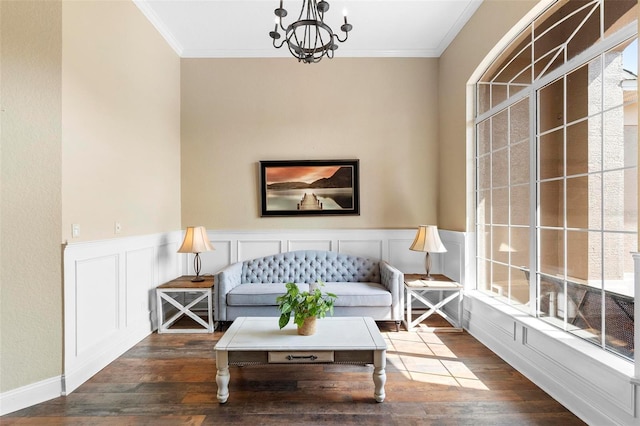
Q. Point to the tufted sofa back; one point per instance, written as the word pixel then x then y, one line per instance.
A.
pixel 309 266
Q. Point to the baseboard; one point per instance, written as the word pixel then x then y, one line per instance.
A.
pixel 32 394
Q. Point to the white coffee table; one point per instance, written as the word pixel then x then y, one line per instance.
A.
pixel 258 340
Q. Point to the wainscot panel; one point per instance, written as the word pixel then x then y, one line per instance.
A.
pixel 362 248
pixel 96 280
pixel 325 245
pixel 109 288
pixel 249 249
pixel 139 285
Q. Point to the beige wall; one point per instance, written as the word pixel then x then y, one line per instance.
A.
pixel 121 123
pixel 492 20
pixel 30 271
pixel 90 135
pixel 236 112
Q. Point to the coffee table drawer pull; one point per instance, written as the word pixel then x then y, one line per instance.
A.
pixel 311 357
pixel 300 357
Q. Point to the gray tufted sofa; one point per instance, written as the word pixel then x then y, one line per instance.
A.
pixel 365 287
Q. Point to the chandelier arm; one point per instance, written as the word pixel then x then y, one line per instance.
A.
pixel 281 44
pixel 306 37
pixel 318 37
pixel 346 36
pixel 305 6
pixel 326 47
pixel 315 51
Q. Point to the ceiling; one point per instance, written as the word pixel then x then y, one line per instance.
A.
pixel 240 28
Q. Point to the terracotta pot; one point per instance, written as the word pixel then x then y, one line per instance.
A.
pixel 308 328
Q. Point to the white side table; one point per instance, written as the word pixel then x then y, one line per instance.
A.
pixel 417 288
pixel 170 293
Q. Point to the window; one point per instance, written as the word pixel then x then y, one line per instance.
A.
pixel 556 171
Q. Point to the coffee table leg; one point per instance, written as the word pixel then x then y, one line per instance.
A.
pixel 379 375
pixel 222 375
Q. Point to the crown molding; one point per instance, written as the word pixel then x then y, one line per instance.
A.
pixel 459 24
pixel 159 25
pixel 273 53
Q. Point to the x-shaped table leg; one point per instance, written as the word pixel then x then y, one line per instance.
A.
pixel 433 307
pixel 184 310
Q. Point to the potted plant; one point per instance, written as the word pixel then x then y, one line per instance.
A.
pixel 306 307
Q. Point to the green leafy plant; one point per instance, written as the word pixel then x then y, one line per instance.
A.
pixel 304 304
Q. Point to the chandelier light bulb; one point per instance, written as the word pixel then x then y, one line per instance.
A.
pixel 346 27
pixel 275 34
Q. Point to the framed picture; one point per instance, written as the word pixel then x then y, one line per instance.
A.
pixel 309 188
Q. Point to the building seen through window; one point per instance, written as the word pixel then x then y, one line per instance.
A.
pixel 557 172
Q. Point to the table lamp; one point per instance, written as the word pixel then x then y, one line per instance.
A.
pixel 428 240
pixel 196 241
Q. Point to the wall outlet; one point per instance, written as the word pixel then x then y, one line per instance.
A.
pixel 75 230
pixel 117 227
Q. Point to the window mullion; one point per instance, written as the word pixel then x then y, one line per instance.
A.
pixel 534 256
pixel 565 221
pixel 603 334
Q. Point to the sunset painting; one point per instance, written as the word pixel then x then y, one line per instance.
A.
pixel 309 187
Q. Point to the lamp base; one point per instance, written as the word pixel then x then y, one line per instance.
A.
pixel 427 278
pixel 427 268
pixel 197 263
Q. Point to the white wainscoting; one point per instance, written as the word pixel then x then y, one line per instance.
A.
pixel 109 298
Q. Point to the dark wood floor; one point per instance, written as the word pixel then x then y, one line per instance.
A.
pixel 432 379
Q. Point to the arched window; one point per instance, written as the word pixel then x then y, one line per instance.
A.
pixel 557 171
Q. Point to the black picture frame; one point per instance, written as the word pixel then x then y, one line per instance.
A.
pixel 309 188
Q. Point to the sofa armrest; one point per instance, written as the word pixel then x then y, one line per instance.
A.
pixel 393 279
pixel 226 280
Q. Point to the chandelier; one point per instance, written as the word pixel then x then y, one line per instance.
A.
pixel 309 39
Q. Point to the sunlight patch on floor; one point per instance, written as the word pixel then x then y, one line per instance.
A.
pixel 423 357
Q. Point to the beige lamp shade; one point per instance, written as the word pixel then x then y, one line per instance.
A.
pixel 428 239
pixel 195 240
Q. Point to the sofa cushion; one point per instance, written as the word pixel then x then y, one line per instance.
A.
pixel 258 294
pixel 358 293
pixel 310 266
